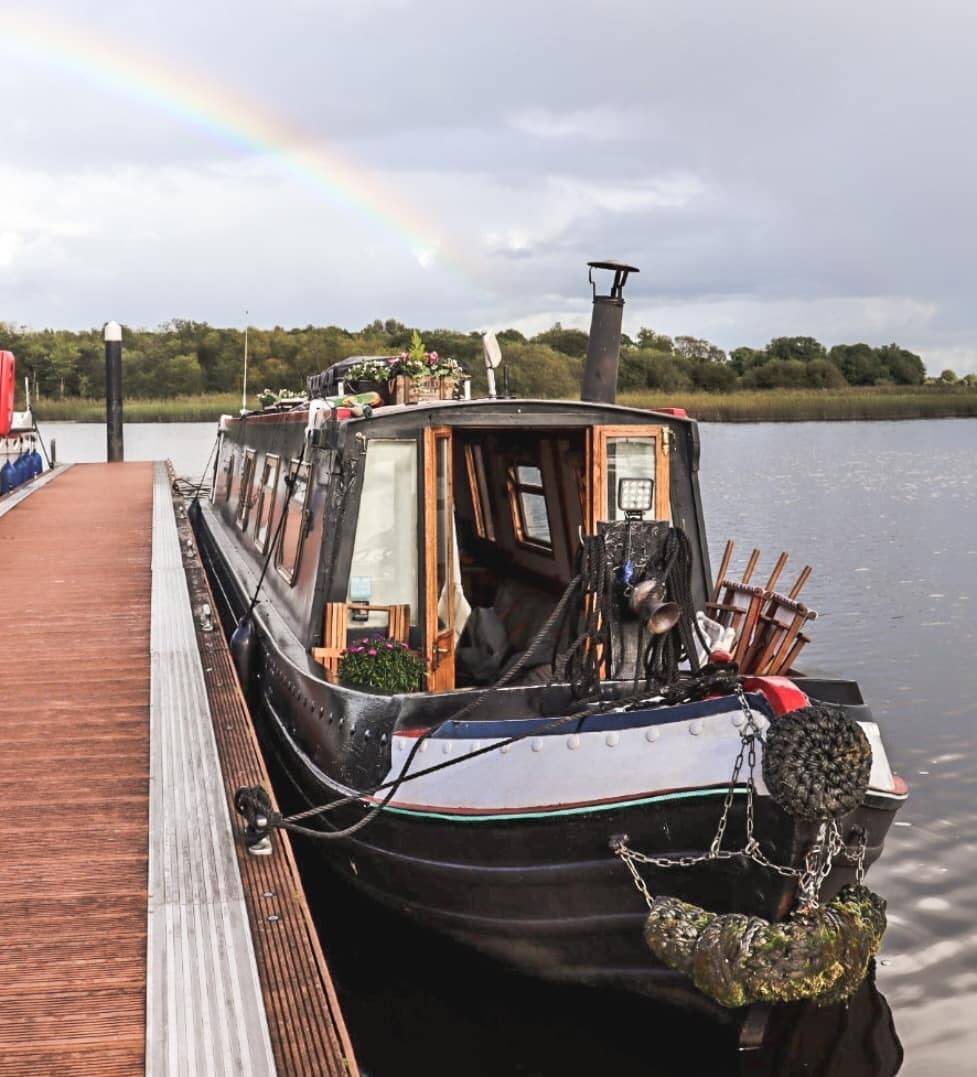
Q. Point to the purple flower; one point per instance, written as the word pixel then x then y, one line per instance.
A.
pixel 433 356
pixel 372 652
pixel 356 650
pixel 389 646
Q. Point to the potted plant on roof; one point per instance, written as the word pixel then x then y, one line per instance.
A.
pixel 418 375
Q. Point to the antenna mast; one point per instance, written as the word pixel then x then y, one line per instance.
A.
pixel 244 387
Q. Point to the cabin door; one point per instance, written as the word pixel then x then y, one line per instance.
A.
pixel 440 557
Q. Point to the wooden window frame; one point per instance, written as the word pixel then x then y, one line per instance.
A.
pixel 478 485
pixel 596 473
pixel 515 487
pixel 263 488
pixel 439 642
pixel 227 479
pixel 290 575
pixel 244 502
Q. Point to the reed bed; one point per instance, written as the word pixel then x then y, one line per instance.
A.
pixel 806 405
pixel 201 408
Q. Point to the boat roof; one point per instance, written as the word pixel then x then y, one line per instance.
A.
pixel 503 405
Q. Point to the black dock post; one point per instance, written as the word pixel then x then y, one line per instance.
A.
pixel 113 391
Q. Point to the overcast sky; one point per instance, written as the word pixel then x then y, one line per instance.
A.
pixel 772 168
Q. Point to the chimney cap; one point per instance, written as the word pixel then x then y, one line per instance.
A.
pixel 611 264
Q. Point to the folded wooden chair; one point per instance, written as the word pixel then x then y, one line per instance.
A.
pixel 336 629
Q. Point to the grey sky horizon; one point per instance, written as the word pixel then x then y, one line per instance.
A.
pixel 773 170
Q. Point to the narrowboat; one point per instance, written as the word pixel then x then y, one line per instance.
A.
pixel 453 528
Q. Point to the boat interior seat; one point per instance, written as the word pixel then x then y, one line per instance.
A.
pixel 497 637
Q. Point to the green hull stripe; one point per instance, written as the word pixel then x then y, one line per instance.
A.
pixel 591 809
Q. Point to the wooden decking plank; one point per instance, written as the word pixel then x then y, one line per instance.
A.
pixel 76 564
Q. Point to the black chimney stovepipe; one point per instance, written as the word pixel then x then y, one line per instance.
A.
pixel 599 383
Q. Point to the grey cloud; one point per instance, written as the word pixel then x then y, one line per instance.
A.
pixel 825 153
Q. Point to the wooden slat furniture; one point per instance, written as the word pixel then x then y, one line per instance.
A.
pixel 768 624
pixel 336 628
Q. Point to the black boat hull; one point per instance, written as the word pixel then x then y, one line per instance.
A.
pixel 543 894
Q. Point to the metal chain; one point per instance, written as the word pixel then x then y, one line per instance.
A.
pixel 818 862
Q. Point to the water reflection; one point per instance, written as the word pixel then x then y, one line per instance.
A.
pixel 417 1004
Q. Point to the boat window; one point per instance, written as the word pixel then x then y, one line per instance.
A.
pixel 288 555
pixel 627 458
pixel 244 498
pixel 529 515
pixel 385 551
pixel 228 474
pixel 478 484
pixel 265 507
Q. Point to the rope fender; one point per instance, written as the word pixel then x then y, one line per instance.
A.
pixel 821 953
pixel 816 763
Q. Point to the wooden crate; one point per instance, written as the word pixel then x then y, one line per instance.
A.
pixel 405 390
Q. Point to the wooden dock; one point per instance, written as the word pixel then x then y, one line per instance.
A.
pixel 136 934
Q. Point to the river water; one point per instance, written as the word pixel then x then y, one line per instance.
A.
pixel 886 513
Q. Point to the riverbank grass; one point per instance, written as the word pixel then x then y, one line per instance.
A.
pixel 771 405
pixel 806 405
pixel 201 408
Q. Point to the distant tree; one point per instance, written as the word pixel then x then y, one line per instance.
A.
pixel 510 336
pixel 860 363
pixel 699 351
pixel 713 377
pixel 744 359
pixel 823 374
pixel 540 371
pixel 902 366
pixel 948 377
pixel 649 339
pixel 805 349
pixel 569 341
pixel 778 374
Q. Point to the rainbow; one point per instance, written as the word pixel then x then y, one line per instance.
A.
pixel 232 119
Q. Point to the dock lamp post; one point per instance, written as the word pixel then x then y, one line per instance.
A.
pixel 113 391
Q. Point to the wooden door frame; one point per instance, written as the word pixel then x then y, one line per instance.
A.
pixel 596 470
pixel 439 646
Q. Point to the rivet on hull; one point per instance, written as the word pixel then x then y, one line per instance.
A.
pixel 611 739
pixel 573 741
pixel 652 733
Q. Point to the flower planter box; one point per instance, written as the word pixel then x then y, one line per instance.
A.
pixel 405 390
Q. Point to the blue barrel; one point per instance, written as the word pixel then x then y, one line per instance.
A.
pixel 36 462
pixel 6 478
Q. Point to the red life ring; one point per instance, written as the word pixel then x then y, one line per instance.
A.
pixel 7 385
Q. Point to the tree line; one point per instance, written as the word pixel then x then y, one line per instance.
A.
pixel 188 357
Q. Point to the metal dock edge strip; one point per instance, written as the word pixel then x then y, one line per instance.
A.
pixel 11 501
pixel 204 1006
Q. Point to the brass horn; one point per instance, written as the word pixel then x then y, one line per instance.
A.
pixel 647 601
